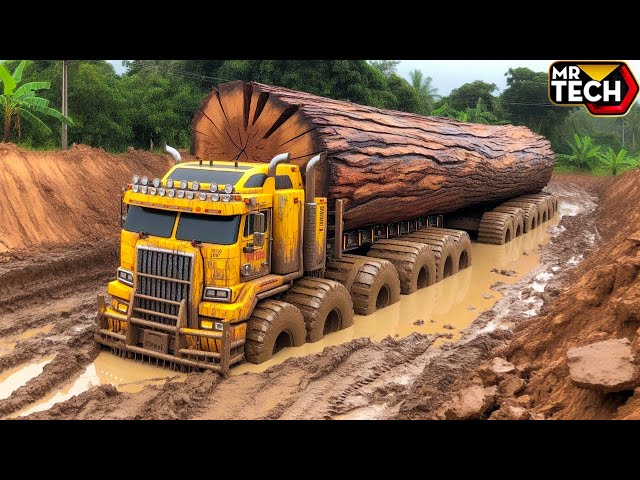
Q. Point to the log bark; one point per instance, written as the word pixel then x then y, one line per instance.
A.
pixel 386 165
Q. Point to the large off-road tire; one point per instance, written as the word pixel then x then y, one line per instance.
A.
pixel 415 262
pixel 517 215
pixel 543 204
pixel 496 228
pixel 530 212
pixel 463 245
pixel 325 305
pixel 444 248
pixel 273 325
pixel 372 282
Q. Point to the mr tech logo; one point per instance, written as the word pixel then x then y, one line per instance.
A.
pixel 604 88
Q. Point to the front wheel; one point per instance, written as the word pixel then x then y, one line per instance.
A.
pixel 274 325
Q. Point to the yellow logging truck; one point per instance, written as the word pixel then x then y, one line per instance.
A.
pixel 226 261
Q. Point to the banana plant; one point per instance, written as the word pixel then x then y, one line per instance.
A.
pixel 22 101
pixel 614 164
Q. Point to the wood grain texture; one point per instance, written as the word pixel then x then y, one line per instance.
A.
pixel 386 165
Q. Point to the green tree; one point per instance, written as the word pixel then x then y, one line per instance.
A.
pixel 584 153
pixel 614 164
pixel 468 94
pixel 22 102
pixel 422 85
pixel 479 114
pixel 385 67
pixel 525 102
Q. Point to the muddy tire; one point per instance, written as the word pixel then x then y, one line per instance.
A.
pixel 517 215
pixel 530 212
pixel 273 325
pixel 444 248
pixel 414 262
pixel 496 228
pixel 463 246
pixel 543 204
pixel 325 305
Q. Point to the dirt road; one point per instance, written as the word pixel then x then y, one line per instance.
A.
pixel 48 300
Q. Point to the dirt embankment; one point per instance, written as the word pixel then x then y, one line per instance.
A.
pixel 58 197
pixel 601 302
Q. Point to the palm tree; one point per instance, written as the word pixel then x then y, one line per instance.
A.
pixel 422 85
pixel 615 164
pixel 23 102
pixel 583 153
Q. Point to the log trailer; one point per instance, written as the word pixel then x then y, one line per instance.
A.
pixel 248 250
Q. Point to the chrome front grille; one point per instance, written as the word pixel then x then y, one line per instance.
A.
pixel 162 274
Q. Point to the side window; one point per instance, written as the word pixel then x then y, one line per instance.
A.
pixel 283 182
pixel 256 180
pixel 248 225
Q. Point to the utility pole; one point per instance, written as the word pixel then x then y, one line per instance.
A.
pixel 64 104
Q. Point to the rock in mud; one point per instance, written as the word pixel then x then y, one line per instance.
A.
pixel 419 322
pixel 511 385
pixel 449 327
pixel 470 403
pixel 510 411
pixel 506 273
pixel 495 370
pixel 606 366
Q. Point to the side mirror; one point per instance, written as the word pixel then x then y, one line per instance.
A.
pixel 258 239
pixel 259 223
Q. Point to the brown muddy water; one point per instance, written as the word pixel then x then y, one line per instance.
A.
pixel 447 307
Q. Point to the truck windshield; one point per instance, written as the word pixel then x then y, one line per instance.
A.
pixel 208 228
pixel 206 176
pixel 158 223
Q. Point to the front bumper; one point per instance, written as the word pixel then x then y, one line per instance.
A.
pixel 196 348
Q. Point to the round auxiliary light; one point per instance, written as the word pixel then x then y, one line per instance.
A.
pixel 189 195
pixel 144 181
pixel 180 193
pixel 213 187
pixel 143 189
pixel 161 192
pixel 156 182
pixel 195 185
pixel 169 183
pixel 183 184
pixel 135 180
pixel 152 190
pixel 135 188
pixel 202 196
pixel 225 198
pixel 215 197
pixel 171 193
pixel 228 189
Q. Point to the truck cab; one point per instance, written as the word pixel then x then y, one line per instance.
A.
pixel 199 248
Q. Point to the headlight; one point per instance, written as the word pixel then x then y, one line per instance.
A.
pixel 195 185
pixel 171 193
pixel 169 183
pixel 135 179
pixel 156 182
pixel 213 187
pixel 215 197
pixel 152 190
pixel 228 189
pixel 180 193
pixel 125 276
pixel 144 181
pixel 183 184
pixel 189 195
pixel 225 197
pixel 135 188
pixel 144 189
pixel 202 196
pixel 217 294
pixel 161 192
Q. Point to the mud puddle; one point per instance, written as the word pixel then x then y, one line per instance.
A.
pixel 447 307
pixel 105 369
pixel 14 378
pixel 7 344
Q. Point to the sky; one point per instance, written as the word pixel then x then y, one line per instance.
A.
pixel 450 74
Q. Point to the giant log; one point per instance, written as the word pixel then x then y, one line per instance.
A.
pixel 386 165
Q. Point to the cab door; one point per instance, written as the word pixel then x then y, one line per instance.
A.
pixel 255 259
